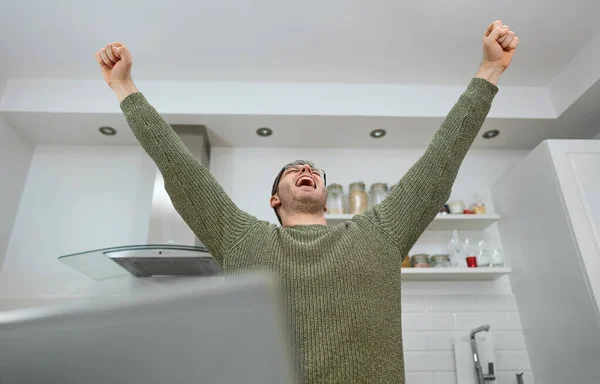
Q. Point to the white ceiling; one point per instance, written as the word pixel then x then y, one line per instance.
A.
pixel 383 41
pixel 315 131
pixel 428 42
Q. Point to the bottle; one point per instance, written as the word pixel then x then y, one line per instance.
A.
pixel 454 250
pixel 466 251
pixel 482 259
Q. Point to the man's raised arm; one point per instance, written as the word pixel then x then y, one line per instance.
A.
pixel 418 197
pixel 195 193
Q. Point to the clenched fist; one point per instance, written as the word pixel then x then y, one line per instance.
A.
pixel 115 63
pixel 499 45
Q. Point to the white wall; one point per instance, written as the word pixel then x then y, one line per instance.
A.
pixel 75 199
pixel 433 312
pixel 247 174
pixel 15 156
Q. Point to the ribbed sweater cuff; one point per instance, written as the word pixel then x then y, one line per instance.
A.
pixel 133 101
pixel 482 89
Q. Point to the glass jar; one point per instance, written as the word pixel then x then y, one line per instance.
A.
pixel 479 206
pixel 335 199
pixel 440 261
pixel 358 200
pixel 483 255
pixel 378 192
pixel 420 260
pixel 497 259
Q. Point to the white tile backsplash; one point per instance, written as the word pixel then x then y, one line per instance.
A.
pixel 429 361
pixel 419 378
pixel 496 303
pixel 469 321
pixel 416 341
pixel 450 288
pixel 427 322
pixel 511 377
pixel 514 321
pixel 451 303
pixel 444 378
pixel 435 312
pixel 509 341
pixel 441 341
pixel 413 303
pixel 512 360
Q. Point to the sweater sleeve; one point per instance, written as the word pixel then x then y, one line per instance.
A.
pixel 196 195
pixel 417 198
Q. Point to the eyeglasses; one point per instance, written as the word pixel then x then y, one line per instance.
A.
pixel 299 168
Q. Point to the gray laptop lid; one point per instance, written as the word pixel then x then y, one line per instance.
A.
pixel 188 330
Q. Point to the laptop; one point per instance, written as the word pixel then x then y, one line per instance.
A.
pixel 187 330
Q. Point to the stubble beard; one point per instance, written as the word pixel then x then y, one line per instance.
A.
pixel 299 202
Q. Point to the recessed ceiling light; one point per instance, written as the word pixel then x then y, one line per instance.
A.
pixel 491 134
pixel 264 132
pixel 377 133
pixel 108 131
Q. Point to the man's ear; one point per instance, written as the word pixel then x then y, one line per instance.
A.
pixel 275 202
pixel 325 209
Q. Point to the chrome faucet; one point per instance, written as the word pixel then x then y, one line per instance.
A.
pixel 481 377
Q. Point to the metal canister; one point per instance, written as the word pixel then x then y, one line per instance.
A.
pixel 440 261
pixel 420 260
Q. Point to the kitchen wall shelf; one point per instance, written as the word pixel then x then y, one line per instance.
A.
pixel 441 222
pixel 453 274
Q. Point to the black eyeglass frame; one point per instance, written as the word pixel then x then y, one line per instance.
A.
pixel 275 187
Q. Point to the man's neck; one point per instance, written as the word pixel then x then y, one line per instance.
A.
pixel 294 219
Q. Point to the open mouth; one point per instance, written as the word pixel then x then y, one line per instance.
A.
pixel 306 181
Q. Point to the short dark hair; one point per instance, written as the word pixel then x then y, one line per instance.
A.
pixel 278 179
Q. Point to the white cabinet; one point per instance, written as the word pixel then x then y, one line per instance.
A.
pixel 550 228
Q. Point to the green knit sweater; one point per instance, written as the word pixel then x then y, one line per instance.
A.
pixel 341 284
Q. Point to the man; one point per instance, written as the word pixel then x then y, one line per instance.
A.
pixel 341 284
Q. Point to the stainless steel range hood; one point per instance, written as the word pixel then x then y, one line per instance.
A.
pixel 172 248
pixel 166 225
